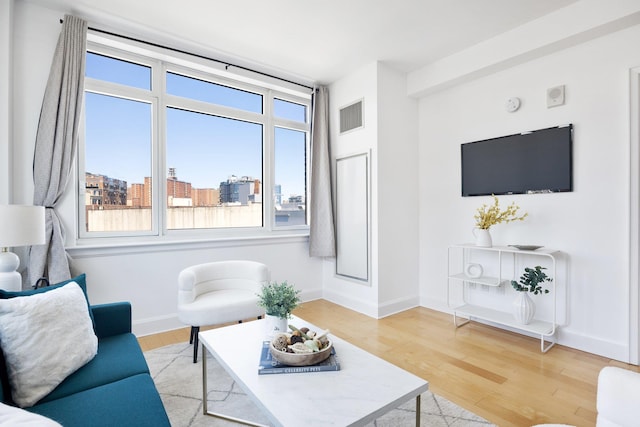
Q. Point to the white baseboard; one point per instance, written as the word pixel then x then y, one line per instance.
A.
pixel 613 350
pixel 371 310
pixel 155 325
pixel 397 306
pixel 351 303
pixel 310 295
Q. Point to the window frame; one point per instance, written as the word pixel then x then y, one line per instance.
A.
pixel 160 62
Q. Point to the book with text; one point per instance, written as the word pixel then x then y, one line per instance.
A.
pixel 269 365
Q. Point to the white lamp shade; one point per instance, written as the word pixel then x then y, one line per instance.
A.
pixel 21 225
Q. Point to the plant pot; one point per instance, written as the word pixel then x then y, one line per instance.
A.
pixel 275 325
pixel 524 308
pixel 483 237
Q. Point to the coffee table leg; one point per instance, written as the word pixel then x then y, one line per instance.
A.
pixel 204 380
pixel 418 411
pixel 205 410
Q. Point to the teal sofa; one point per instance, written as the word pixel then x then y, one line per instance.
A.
pixel 114 389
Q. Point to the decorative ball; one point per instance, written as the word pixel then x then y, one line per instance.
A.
pixel 280 342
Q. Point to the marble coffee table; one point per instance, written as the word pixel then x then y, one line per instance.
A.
pixel 364 388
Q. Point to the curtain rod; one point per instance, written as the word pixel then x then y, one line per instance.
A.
pixel 225 63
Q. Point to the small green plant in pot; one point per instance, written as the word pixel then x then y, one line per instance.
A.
pixel 279 299
pixel 531 281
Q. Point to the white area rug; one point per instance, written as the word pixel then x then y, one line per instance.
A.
pixel 179 382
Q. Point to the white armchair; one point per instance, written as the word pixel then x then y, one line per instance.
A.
pixel 618 400
pixel 219 292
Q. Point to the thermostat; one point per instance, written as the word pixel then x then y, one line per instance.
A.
pixel 512 104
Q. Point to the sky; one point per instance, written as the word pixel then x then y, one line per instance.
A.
pixel 204 149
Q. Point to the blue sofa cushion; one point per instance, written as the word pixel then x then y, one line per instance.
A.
pixel 133 401
pixel 118 357
pixel 81 280
pixel 112 318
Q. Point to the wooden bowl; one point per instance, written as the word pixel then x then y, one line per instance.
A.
pixel 301 359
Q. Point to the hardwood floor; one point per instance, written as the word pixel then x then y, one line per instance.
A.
pixel 499 375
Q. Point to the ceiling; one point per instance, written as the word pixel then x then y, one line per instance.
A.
pixel 315 41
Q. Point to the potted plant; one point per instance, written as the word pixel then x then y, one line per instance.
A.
pixel 487 216
pixel 278 301
pixel 531 281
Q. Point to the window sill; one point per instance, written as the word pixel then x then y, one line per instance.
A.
pixel 135 246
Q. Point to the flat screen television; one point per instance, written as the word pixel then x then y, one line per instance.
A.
pixel 532 162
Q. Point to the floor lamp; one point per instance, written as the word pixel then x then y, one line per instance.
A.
pixel 19 226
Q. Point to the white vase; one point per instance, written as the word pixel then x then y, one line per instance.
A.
pixel 523 308
pixel 473 270
pixel 275 325
pixel 483 237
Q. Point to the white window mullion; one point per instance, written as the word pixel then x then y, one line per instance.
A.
pixel 268 168
pixel 81 182
pixel 159 153
pixel 214 110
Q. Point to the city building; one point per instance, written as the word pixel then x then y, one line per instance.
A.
pixel 240 190
pixel 103 191
pixel 177 191
pixel 205 196
pixel 277 194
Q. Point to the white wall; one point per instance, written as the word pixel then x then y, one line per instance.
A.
pixel 145 276
pixel 590 225
pixel 360 85
pixel 6 50
pixel 390 136
pixel 148 276
pixel 35 35
pixel 398 193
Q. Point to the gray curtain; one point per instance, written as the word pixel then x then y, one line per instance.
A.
pixel 56 142
pixel 322 241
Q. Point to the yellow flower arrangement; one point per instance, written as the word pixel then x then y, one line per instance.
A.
pixel 487 216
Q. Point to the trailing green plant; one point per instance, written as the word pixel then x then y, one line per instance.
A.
pixel 278 299
pixel 532 280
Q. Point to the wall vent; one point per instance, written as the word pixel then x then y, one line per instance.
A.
pixel 351 117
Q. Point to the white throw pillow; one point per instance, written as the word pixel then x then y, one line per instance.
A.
pixel 11 416
pixel 45 338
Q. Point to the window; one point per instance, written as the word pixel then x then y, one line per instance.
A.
pixel 118 155
pixel 189 87
pixel 289 175
pixel 114 70
pixel 172 145
pixel 222 161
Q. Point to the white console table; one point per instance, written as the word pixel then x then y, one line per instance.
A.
pixel 503 260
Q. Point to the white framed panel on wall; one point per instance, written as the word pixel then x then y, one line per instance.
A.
pixel 352 217
pixel 634 226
